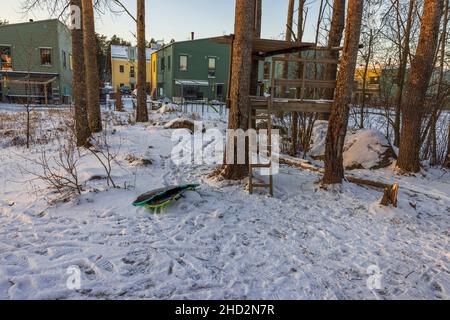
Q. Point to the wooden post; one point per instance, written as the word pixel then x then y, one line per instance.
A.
pixel 45 95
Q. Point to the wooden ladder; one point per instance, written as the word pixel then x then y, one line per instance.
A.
pixel 261 113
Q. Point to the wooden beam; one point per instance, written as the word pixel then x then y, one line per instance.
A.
pixel 306 61
pixel 296 83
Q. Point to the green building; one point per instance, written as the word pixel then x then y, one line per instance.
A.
pixel 193 70
pixel 35 62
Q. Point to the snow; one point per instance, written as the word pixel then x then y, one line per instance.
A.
pixel 170 107
pixel 366 149
pixel 319 136
pixel 218 242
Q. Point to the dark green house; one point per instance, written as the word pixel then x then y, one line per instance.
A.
pixel 193 70
pixel 35 62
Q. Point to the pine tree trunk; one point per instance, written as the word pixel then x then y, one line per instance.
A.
pixel 90 61
pixel 417 86
pixel 337 127
pixel 141 110
pixel 240 82
pixel 334 40
pixel 402 70
pixel 256 34
pixel 82 131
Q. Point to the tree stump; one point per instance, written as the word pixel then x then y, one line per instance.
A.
pixel 390 196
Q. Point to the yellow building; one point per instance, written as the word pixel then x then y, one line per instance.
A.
pixel 372 84
pixel 153 77
pixel 124 66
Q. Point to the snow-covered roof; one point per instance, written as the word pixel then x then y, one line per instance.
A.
pixel 119 52
pixel 128 53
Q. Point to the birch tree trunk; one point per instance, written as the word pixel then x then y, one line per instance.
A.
pixel 141 109
pixel 240 82
pixel 82 131
pixel 90 61
pixel 338 122
pixel 417 86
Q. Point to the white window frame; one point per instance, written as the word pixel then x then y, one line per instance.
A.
pixel 51 56
pixel 187 62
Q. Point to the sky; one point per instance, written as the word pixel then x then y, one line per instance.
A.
pixel 176 19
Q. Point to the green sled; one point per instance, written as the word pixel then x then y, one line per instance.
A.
pixel 161 197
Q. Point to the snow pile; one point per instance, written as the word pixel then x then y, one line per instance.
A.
pixel 180 123
pixel 170 107
pixel 367 149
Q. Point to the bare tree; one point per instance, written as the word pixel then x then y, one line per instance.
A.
pixel 417 86
pixel 90 61
pixel 141 110
pixel 404 52
pixel 441 94
pixel 295 115
pixel 338 122
pixel 334 40
pixel 79 84
pixel 256 34
pixel 240 84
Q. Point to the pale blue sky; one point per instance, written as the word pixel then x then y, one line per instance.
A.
pixel 167 19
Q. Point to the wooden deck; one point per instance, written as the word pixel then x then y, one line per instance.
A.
pixel 291 105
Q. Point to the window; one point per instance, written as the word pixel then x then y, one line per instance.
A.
pixel 169 62
pixel 132 53
pixel 266 70
pixel 132 73
pixel 122 69
pixel 211 67
pixel 64 59
pixel 46 57
pixel 163 66
pixel 70 62
pixel 6 58
pixel 154 65
pixel 183 63
pixel 374 80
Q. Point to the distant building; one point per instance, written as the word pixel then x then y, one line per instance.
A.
pixel 124 66
pixel 372 87
pixel 193 70
pixel 35 63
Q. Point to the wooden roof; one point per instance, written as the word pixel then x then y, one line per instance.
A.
pixel 269 47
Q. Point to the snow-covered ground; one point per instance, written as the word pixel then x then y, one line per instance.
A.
pixel 218 242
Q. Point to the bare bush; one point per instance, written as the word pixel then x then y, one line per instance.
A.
pixel 59 172
pixel 101 149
